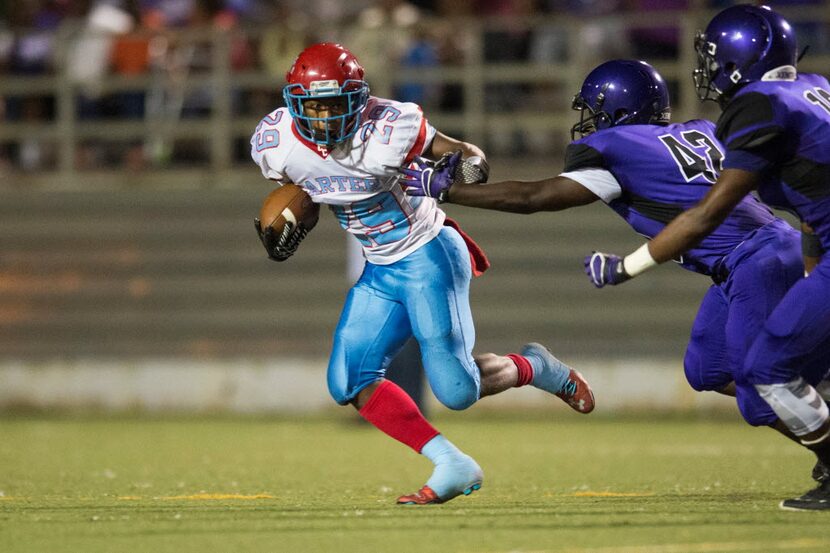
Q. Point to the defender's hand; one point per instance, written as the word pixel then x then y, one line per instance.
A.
pixel 431 179
pixel 281 247
pixel 605 268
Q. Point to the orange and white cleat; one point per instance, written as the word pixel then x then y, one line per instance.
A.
pixel 555 377
pixel 577 393
pixel 426 496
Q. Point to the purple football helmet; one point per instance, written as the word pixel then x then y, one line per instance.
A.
pixel 621 92
pixel 741 45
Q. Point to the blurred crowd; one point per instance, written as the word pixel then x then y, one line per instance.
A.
pixel 102 40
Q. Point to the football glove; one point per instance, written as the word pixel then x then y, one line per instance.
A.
pixel 281 247
pixel 431 179
pixel 605 268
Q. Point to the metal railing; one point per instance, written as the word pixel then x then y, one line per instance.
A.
pixel 222 126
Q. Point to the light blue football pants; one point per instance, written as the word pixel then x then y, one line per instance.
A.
pixel 425 294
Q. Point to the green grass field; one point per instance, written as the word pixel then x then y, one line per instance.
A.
pixel 555 482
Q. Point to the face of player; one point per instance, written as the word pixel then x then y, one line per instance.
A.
pixel 325 113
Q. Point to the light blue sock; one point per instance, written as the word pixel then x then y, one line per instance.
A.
pixel 455 472
pixel 549 373
pixel 439 449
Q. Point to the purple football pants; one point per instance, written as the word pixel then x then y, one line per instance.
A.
pixel 761 271
pixel 795 339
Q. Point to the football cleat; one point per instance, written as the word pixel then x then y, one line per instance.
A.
pixel 821 472
pixel 553 376
pixel 817 499
pixel 425 496
pixel 451 478
pixel 577 393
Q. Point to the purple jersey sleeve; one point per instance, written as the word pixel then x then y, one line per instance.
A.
pixel 579 155
pixel 750 132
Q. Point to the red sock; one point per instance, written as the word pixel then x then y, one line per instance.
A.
pixel 525 370
pixel 393 412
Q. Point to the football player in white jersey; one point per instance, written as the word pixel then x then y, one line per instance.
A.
pixel 343 147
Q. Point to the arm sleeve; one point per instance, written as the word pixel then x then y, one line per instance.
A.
pixel 599 181
pixel 267 171
pixel 750 132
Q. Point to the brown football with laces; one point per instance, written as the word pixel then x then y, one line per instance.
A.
pixel 288 204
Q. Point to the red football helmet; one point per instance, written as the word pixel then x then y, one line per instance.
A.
pixel 326 70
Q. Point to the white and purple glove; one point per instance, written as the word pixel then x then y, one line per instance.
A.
pixel 431 179
pixel 605 268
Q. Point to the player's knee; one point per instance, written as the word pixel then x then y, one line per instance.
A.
pixel 694 380
pixel 797 404
pixel 458 400
pixel 759 417
pixel 454 380
pixel 339 393
pixel 697 377
pixel 754 409
pixel 341 389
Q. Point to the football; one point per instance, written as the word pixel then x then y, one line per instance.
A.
pixel 288 203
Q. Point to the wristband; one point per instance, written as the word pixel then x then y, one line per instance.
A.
pixel 639 261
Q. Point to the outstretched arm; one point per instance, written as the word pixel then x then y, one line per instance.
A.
pixel 458 180
pixel 440 180
pixel 552 194
pixel 692 226
pixel 683 233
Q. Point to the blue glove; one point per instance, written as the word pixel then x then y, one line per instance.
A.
pixel 432 179
pixel 605 268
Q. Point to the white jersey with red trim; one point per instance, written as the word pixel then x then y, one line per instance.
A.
pixel 358 179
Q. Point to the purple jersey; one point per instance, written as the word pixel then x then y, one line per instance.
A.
pixel 662 171
pixel 782 130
